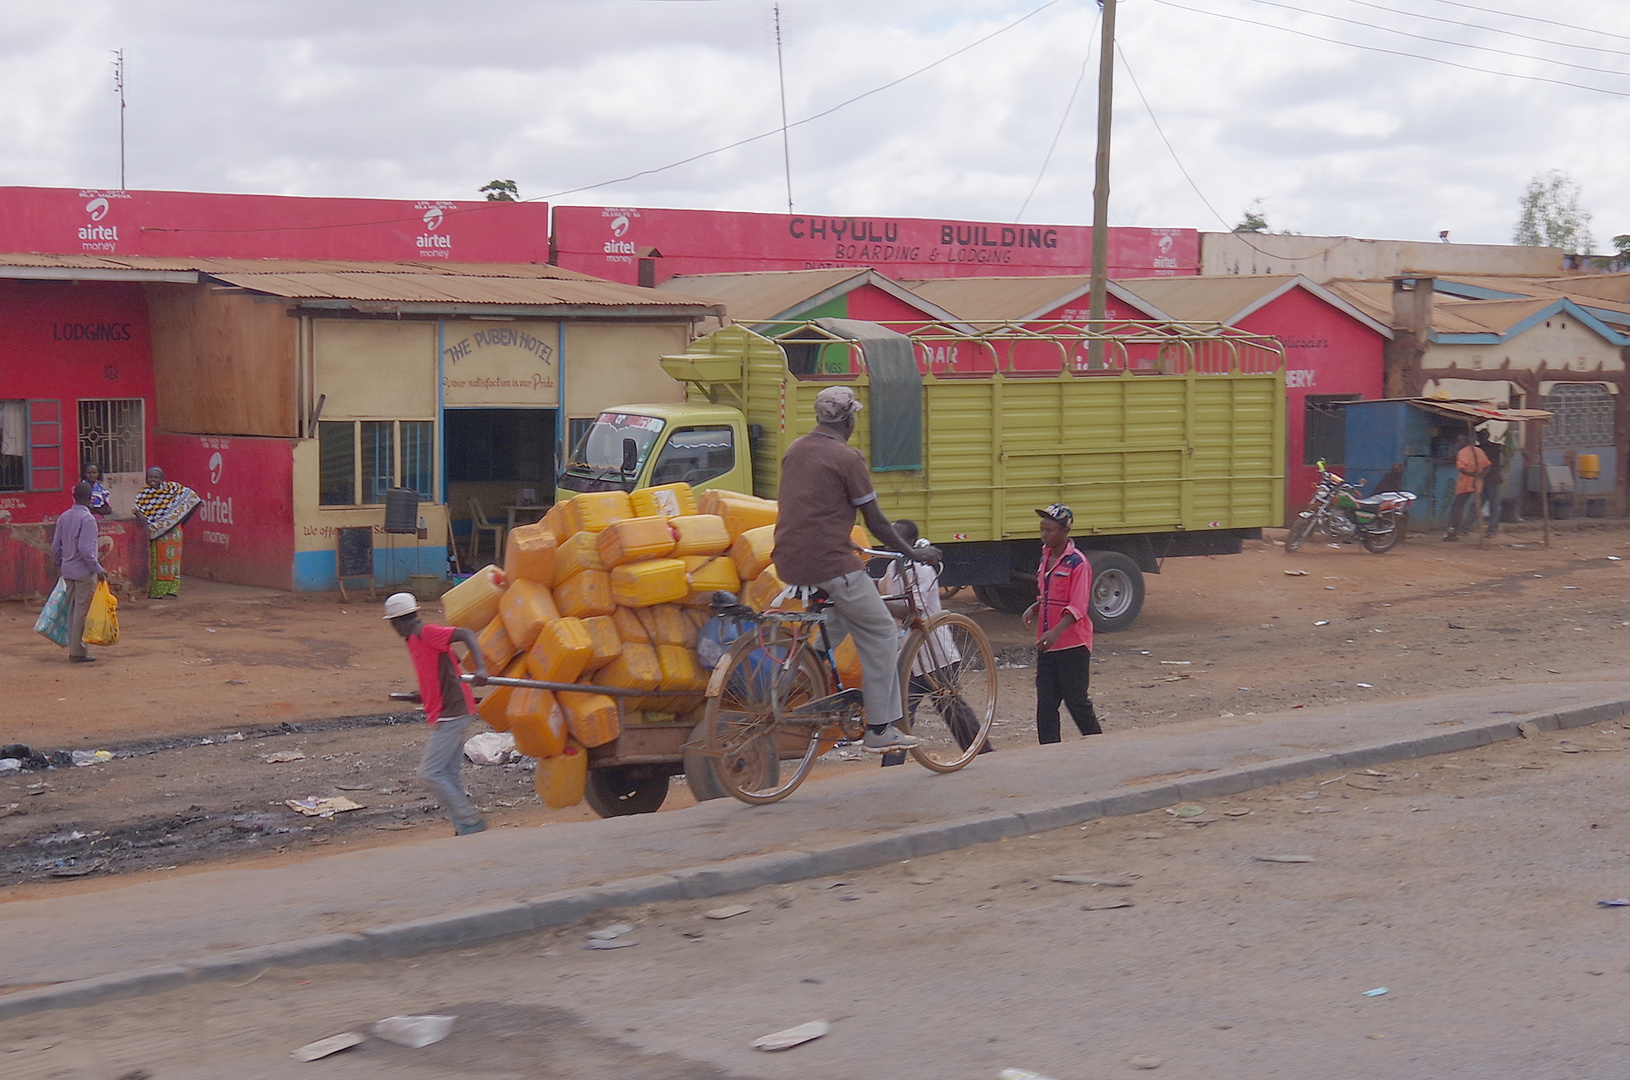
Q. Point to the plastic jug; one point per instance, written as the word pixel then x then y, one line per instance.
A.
pixel 847 657
pixel 605 639
pixel 699 534
pixel 562 651
pixel 493 707
pixel 496 647
pixel 740 512
pixel 578 552
pixel 592 718
pixel 536 722
pixel 667 625
pixel 592 511
pixel 587 593
pixel 529 555
pixel 636 668
pixel 654 581
pixel 669 500
pixel 859 537
pixel 761 593
pixel 526 606
pixel 635 539
pixel 708 574
pixel 561 780
pixel 753 550
pixel 473 602
pixel 557 521
pixel 629 626
pixel 680 671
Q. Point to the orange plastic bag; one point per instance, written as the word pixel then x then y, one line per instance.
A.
pixel 102 621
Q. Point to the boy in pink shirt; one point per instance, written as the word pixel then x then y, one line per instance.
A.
pixel 1062 614
pixel 449 707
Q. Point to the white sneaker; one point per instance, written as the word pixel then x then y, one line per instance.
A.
pixel 892 738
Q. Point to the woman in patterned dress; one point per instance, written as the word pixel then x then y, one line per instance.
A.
pixel 162 506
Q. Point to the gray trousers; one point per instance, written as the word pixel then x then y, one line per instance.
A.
pixel 858 609
pixel 80 592
pixel 443 768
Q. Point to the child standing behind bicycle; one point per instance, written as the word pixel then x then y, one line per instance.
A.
pixel 940 656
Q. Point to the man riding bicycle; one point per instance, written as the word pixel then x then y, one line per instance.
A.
pixel 823 482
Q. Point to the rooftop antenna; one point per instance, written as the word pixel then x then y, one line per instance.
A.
pixel 781 72
pixel 119 88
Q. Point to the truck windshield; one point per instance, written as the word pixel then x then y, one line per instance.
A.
pixel 597 462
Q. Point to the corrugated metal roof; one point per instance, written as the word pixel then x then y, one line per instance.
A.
pixel 421 284
pixel 999 299
pixel 1218 298
pixel 765 294
pixel 1374 298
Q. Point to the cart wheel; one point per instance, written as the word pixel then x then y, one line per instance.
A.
pixel 950 706
pixel 743 738
pixel 699 775
pixel 616 792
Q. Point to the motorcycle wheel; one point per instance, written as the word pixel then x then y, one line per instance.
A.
pixel 1383 543
pixel 1301 530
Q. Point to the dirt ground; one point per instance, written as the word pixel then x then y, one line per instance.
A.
pixel 1442 924
pixel 1219 636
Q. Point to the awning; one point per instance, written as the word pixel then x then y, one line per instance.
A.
pixel 1477 411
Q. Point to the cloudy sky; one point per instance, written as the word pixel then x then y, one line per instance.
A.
pixel 1311 106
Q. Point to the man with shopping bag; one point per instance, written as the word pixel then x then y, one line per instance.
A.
pixel 73 546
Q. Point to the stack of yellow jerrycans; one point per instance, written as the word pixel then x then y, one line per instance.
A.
pixel 609 590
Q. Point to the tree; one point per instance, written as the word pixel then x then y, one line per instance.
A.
pixel 501 191
pixel 1551 216
pixel 1255 219
pixel 1621 244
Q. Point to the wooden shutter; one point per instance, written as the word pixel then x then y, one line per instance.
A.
pixel 44 445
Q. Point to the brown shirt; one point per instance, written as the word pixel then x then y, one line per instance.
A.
pixel 823 480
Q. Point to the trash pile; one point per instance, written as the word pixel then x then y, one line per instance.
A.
pixel 610 589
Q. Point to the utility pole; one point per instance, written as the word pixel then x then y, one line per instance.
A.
pixel 1100 184
pixel 781 71
pixel 119 88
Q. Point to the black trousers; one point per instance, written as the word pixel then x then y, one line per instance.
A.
pixel 1061 677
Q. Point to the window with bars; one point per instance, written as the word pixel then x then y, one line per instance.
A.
pixel 359 460
pixel 1324 429
pixel 14 445
pixel 1582 416
pixel 111 435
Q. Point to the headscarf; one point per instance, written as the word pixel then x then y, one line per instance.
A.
pixel 165 505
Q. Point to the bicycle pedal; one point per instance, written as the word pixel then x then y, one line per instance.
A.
pixel 840 702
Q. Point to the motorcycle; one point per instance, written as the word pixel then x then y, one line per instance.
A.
pixel 1342 513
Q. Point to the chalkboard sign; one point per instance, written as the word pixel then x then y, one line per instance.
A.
pixel 356 551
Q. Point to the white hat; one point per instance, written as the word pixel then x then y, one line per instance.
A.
pixel 399 604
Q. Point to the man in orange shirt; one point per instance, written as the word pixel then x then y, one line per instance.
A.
pixel 1471 463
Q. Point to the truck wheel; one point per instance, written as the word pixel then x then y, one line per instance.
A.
pixel 699 776
pixel 613 792
pixel 1013 599
pixel 1117 591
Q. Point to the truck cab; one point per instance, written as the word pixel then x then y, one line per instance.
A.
pixel 636 446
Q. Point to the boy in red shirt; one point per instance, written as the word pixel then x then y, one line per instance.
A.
pixel 448 705
pixel 1062 614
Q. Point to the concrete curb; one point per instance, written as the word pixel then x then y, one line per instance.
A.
pixel 739 875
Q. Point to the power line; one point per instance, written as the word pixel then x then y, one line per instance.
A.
pixel 1396 52
pixel 1490 29
pixel 808 119
pixel 1437 41
pixel 1068 105
pixel 1535 18
pixel 1180 168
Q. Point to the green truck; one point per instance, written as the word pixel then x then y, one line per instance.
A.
pixel 1166 439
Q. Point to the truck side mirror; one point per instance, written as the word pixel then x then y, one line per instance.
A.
pixel 631 455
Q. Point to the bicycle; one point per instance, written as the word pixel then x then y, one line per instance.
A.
pixel 775 699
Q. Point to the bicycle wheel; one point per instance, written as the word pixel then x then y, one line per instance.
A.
pixel 951 701
pixel 743 737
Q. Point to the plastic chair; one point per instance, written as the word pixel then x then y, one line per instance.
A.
pixel 480 523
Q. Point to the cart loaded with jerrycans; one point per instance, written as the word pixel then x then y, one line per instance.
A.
pixel 1167 440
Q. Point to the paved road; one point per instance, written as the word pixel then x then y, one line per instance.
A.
pixel 853 820
pixel 1465 884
